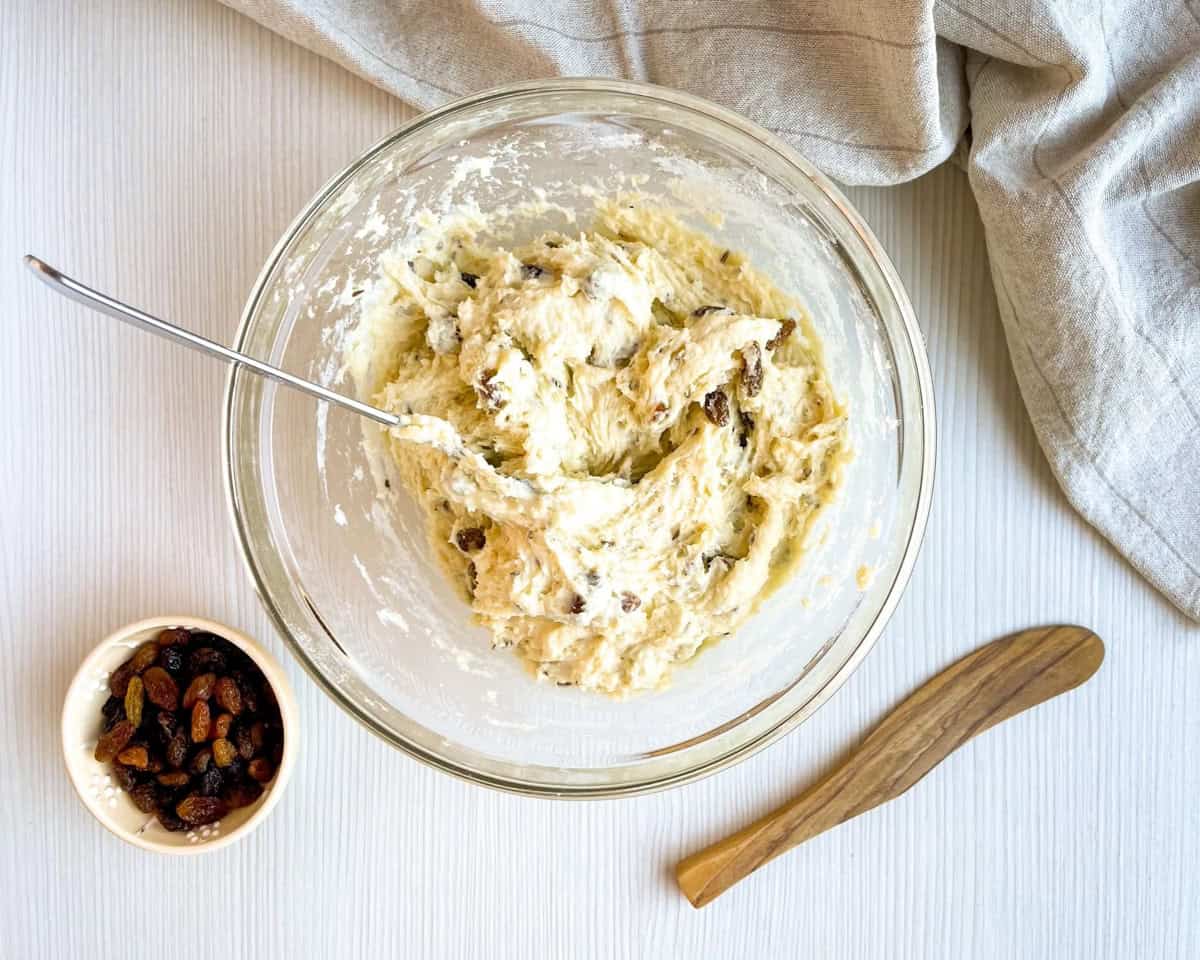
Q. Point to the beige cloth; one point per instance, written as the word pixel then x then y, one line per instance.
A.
pixel 1083 126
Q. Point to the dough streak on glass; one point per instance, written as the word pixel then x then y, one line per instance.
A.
pixel 632 432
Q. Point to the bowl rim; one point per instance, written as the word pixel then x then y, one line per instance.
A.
pixel 923 401
pixel 288 712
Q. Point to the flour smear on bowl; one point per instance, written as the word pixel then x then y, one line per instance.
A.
pixel 621 435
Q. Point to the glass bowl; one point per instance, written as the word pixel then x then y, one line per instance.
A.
pixel 348 576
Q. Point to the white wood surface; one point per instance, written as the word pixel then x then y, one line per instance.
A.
pixel 158 149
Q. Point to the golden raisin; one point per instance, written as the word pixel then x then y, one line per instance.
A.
pixel 134 697
pixel 201 721
pixel 176 778
pixel 199 689
pixel 113 741
pixel 137 757
pixel 223 753
pixel 173 636
pixel 144 656
pixel 197 810
pixel 228 696
pixel 222 724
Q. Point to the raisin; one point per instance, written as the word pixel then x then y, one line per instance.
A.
pixel 176 751
pixel 747 426
pixel 725 257
pixel 197 809
pixel 113 741
pixel 137 757
pixel 470 279
pixel 260 769
pixel 160 688
pixel 200 688
pixel 144 656
pixel 241 794
pixel 112 711
pixel 489 391
pixel 258 737
pixel 630 601
pixel 236 770
pixel 752 369
pixel 201 721
pixel 134 698
pixel 126 778
pixel 716 407
pixel 277 753
pixel 244 742
pixel 153 764
pixel 706 309
pixel 786 329
pixel 221 725
pixel 118 680
pixel 578 604
pixel 201 760
pixel 228 695
pixel 223 752
pixel 472 576
pixel 166 725
pixel 207 660
pixel 470 539
pixel 176 778
pixel 173 636
pixel 531 271
pixel 145 797
pixel 211 781
pixel 249 685
pixel 171 822
pixel 171 659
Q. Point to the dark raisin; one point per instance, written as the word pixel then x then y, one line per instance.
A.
pixel 249 682
pixel 277 753
pixel 201 760
pixel 258 737
pixel 531 271
pixel 112 711
pixel 161 689
pixel 176 778
pixel 472 576
pixel 260 769
pixel 200 688
pixel 470 539
pixel 578 604
pixel 747 422
pixel 221 725
pixel 201 721
pixel 593 578
pixel 210 782
pixel 126 778
pixel 786 329
pixel 228 695
pixel 716 407
pixel 136 757
pixel 166 725
pixel 171 822
pixel 145 797
pixel 153 764
pixel 223 752
pixel 171 659
pixel 630 601
pixel 113 741
pixel 752 370
pixel 176 750
pixel 706 309
pixel 134 698
pixel 172 637
pixel 489 390
pixel 207 660
pixel 244 742
pixel 470 279
pixel 241 794
pixel 725 257
pixel 118 680
pixel 198 809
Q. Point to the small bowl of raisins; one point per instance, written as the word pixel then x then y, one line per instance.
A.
pixel 179 734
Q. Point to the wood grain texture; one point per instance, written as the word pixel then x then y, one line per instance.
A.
pixel 989 685
pixel 158 148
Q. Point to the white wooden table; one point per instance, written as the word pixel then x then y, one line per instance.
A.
pixel 158 149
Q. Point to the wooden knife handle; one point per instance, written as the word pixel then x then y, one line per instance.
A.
pixel 995 682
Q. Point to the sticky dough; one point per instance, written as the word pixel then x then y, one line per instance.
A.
pixel 620 437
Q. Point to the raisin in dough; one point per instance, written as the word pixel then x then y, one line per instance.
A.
pixel 620 437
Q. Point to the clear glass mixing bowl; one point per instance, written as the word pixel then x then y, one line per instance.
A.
pixel 349 580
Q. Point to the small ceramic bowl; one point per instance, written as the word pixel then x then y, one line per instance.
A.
pixel 93 781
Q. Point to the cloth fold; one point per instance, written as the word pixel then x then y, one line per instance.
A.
pixel 1082 121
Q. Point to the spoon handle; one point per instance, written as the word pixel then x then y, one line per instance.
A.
pixel 74 290
pixel 992 684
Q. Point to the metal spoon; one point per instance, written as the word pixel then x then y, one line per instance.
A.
pixel 74 290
